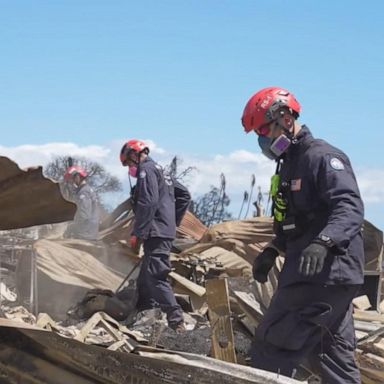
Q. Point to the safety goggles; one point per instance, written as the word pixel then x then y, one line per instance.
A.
pixel 126 155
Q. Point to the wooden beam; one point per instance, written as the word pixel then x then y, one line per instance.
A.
pixel 371 336
pixel 249 306
pixel 368 316
pixel 362 303
pixel 220 318
pixel 187 284
pixel 365 326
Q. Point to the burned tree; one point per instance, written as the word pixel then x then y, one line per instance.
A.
pixel 98 177
pixel 173 168
pixel 211 208
pixel 245 200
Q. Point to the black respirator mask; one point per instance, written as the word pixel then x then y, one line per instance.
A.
pixel 273 148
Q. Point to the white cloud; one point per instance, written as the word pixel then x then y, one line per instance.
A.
pixel 371 184
pixel 242 156
pixel 154 148
pixel 30 155
pixel 238 167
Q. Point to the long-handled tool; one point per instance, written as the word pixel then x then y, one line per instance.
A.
pixel 128 276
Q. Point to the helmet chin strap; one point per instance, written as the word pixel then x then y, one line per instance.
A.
pixel 137 163
pixel 130 181
pixel 291 134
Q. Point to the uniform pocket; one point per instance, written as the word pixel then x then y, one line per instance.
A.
pixel 159 266
pixel 292 330
pixel 336 268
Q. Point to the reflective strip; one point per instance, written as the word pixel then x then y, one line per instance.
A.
pixel 289 226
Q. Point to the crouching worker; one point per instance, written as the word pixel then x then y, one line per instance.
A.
pixel 85 223
pixel 318 214
pixel 159 204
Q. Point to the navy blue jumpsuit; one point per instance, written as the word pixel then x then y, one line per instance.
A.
pixel 311 317
pixel 155 223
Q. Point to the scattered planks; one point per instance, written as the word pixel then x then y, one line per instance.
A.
pixel 370 344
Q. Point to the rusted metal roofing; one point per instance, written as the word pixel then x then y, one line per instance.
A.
pixel 118 224
pixel 191 227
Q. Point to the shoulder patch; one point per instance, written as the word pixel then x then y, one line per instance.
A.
pixel 336 164
pixel 142 174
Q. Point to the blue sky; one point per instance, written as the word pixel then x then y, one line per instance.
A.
pixel 93 73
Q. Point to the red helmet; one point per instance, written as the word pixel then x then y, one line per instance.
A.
pixel 130 146
pixel 74 170
pixel 260 108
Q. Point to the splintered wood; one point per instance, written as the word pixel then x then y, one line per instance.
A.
pixel 220 320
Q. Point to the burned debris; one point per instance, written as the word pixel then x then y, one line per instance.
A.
pixel 68 306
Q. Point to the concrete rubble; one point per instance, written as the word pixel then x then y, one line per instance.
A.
pixel 51 288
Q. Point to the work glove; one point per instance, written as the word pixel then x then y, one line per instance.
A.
pixel 312 259
pixel 134 243
pixel 263 264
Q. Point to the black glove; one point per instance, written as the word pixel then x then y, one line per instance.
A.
pixel 263 264
pixel 312 259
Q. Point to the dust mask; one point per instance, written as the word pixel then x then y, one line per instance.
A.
pixel 132 171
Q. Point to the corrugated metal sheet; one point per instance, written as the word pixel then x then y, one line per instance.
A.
pixel 254 230
pixel 118 225
pixel 191 227
pixel 31 356
pixel 27 198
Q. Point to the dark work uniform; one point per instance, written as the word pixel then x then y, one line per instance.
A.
pixel 311 317
pixel 155 223
pixel 86 221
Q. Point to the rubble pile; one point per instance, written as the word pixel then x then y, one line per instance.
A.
pixel 59 272
pixel 225 251
pixel 55 289
pixel 369 328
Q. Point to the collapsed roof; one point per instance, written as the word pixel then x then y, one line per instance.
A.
pixel 28 198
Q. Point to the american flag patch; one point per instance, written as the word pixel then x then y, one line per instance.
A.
pixel 296 185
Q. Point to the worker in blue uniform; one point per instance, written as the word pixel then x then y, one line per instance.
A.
pixel 318 214
pixel 159 205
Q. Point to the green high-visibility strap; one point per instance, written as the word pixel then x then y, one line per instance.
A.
pixel 279 203
pixel 275 181
pixel 279 216
pixel 280 208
